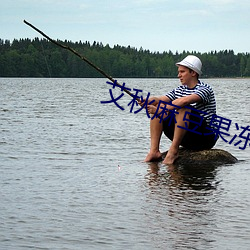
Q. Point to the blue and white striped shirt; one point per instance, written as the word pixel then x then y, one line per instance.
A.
pixel 204 91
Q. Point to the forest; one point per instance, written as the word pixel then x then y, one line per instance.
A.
pixel 41 58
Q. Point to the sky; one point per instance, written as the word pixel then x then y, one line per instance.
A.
pixel 155 25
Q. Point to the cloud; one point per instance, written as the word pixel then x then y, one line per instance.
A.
pixel 148 2
pixel 225 5
pixel 222 2
pixel 84 6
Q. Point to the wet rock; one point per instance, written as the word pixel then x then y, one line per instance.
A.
pixel 204 157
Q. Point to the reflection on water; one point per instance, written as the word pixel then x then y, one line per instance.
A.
pixel 184 195
pixel 194 206
pixel 189 177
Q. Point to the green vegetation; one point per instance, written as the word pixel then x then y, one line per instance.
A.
pixel 40 58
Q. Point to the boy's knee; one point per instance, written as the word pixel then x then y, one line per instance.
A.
pixel 182 112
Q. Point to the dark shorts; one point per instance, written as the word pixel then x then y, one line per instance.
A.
pixel 198 135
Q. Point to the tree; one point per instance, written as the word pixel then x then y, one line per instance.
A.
pixel 247 69
pixel 41 58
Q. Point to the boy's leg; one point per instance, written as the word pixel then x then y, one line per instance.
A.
pixel 179 133
pixel 156 129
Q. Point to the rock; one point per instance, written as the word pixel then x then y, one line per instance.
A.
pixel 204 157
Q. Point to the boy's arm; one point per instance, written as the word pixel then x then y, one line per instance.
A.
pixel 186 100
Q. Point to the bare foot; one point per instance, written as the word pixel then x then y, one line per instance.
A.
pixel 171 156
pixel 153 156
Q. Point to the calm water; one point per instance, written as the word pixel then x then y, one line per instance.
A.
pixel 72 175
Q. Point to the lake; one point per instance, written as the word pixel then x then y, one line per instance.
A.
pixel 72 173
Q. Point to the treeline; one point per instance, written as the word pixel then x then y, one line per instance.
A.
pixel 41 58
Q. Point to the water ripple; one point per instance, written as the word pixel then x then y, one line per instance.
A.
pixel 72 175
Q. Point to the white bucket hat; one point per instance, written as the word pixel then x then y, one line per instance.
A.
pixel 191 62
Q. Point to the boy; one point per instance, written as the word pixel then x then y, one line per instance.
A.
pixel 192 104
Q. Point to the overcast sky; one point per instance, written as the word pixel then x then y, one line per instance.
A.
pixel 157 25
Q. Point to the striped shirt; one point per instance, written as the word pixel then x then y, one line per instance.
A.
pixel 207 106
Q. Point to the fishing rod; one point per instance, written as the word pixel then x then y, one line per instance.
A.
pixel 80 56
